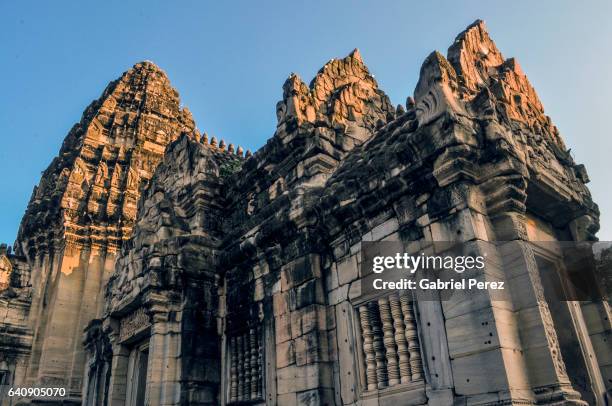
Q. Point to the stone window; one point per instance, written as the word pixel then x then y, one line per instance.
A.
pixel 390 350
pixel 245 366
pixel 137 375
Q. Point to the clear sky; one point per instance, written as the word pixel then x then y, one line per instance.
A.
pixel 229 59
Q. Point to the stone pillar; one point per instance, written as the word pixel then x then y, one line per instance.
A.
pixel 164 364
pixel 476 328
pixel 368 348
pixel 393 373
pixel 483 341
pixel 400 339
pixel 119 365
pixel 544 363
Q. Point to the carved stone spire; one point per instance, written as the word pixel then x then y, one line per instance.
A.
pixel 472 55
pixel 84 208
pixel 343 93
pixel 123 133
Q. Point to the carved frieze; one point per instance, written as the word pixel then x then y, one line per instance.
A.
pixel 133 324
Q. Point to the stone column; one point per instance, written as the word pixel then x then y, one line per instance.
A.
pixel 164 364
pixel 544 363
pixel 475 328
pixel 233 378
pixel 400 338
pixel 368 347
pixel 412 338
pixel 393 372
pixel 119 365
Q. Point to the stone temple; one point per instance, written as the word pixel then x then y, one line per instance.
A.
pixel 158 266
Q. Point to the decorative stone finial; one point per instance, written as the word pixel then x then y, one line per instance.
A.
pixel 204 139
pixel 249 153
pixel 400 110
pixel 356 55
pixel 410 102
pixel 213 141
pixel 222 145
pixel 239 151
pixel 230 148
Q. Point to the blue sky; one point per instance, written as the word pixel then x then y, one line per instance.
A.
pixel 228 60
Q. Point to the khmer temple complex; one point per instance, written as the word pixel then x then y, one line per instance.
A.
pixel 157 265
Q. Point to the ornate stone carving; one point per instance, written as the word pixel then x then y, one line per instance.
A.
pixel 400 338
pixel 233 369
pixel 368 347
pixel 246 380
pixel 246 360
pixel 416 366
pixel 389 340
pixel 133 324
pixel 255 381
pixel 239 355
pixel 390 343
pixel 379 347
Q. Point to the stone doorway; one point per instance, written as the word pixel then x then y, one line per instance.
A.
pixel 137 375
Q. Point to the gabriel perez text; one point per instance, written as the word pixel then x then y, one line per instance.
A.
pixel 436 284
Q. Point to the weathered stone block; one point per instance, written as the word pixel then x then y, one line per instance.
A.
pixel 281 303
pixel 381 231
pixel 299 271
pixel 308 293
pixel 285 354
pixel 316 397
pixel 282 326
pixel 293 379
pixel 287 399
pixel 311 347
pixel 307 319
pixel 348 270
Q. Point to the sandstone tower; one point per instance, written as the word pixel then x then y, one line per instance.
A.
pixel 81 213
pixel 237 281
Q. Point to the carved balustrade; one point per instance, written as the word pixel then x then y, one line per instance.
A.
pixel 246 372
pixel 391 349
